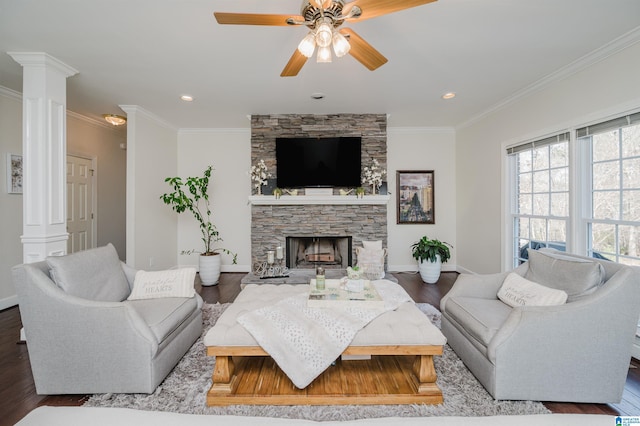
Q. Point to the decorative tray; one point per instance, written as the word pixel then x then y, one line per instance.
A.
pixel 336 294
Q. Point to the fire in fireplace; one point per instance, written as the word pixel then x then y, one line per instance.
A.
pixel 309 252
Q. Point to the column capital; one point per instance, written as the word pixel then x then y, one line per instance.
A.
pixel 41 59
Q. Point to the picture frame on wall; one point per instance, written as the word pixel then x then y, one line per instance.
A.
pixel 415 197
pixel 14 173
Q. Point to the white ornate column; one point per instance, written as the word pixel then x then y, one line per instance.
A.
pixel 44 150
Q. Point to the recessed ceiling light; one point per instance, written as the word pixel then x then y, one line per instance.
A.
pixel 317 96
pixel 187 98
pixel 449 95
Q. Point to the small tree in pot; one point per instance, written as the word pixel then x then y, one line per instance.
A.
pixel 430 255
pixel 191 195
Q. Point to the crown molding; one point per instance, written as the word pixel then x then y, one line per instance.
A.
pixel 92 121
pixel 212 130
pixel 135 109
pixel 600 54
pixel 10 93
pixel 412 130
pixel 17 96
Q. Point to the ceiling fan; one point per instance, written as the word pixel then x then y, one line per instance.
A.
pixel 324 17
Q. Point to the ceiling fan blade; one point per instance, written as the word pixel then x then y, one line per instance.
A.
pixel 295 64
pixel 255 19
pixel 363 51
pixel 373 8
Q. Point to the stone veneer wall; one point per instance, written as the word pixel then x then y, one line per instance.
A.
pixel 271 224
pixel 266 128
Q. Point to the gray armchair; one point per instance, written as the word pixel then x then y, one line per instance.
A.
pixel 83 335
pixel 577 352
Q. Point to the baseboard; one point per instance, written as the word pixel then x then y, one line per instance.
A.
pixel 8 302
pixel 223 268
pixel 635 349
pixel 402 268
pixel 464 270
pixel 235 268
pixel 414 268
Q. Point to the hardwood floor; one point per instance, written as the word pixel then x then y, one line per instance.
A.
pixel 18 395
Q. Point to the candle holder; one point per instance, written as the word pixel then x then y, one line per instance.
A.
pixel 273 267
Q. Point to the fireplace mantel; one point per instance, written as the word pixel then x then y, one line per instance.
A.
pixel 288 200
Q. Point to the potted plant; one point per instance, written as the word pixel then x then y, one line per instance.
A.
pixel 430 255
pixel 191 195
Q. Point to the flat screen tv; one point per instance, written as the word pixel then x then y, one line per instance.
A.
pixel 318 162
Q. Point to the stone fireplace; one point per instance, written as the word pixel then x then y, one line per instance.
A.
pixel 305 217
pixel 272 223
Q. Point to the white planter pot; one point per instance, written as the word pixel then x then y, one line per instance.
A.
pixel 209 269
pixel 430 271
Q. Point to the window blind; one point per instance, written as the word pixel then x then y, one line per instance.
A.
pixel 561 137
pixel 606 126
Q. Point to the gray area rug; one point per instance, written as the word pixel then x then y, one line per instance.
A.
pixel 184 391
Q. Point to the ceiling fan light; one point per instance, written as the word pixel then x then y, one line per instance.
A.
pixel 307 45
pixel 324 55
pixel 340 45
pixel 324 35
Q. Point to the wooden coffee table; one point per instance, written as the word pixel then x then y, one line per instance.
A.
pixel 396 371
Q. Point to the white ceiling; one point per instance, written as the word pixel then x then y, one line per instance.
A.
pixel 149 52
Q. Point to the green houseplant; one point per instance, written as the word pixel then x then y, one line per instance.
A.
pixel 430 255
pixel 191 195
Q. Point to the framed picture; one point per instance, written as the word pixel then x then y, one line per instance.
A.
pixel 415 196
pixel 14 174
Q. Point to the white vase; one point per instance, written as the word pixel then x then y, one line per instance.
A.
pixel 210 269
pixel 430 271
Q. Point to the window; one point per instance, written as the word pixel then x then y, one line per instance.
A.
pixel 605 190
pixel 613 219
pixel 540 207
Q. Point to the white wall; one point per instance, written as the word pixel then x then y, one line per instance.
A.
pixel 88 139
pixel 607 88
pixel 229 152
pixel 10 204
pixel 152 227
pixel 421 149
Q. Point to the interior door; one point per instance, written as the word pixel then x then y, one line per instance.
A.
pixel 79 204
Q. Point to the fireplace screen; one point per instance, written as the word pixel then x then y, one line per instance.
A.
pixel 309 252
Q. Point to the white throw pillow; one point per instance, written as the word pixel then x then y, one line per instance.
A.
pixel 157 284
pixel 371 262
pixel 372 245
pixel 518 291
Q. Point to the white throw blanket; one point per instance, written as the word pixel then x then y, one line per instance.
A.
pixel 305 341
